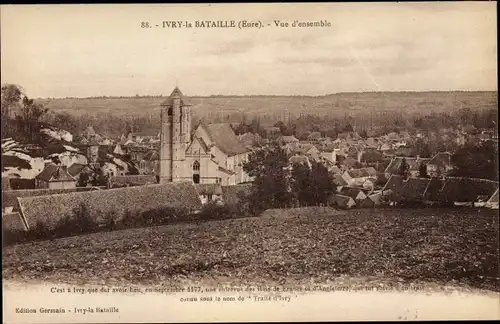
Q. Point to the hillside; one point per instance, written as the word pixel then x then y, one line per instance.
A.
pixel 335 104
pixel 454 246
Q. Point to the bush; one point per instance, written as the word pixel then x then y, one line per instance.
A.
pixel 213 210
pixel 78 223
pixel 162 216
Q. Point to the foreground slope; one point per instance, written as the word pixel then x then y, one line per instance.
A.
pixel 458 246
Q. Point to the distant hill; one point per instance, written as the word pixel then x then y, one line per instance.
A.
pixel 335 104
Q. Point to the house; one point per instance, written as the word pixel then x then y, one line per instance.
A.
pixel 355 193
pixel 356 177
pixel 341 201
pixel 76 169
pixel 118 150
pixel 413 165
pixel 139 137
pixel 439 165
pixel 150 164
pixel 287 139
pixel 209 192
pixel 110 169
pixel 55 177
pixel 411 190
pixel 493 201
pixel 344 136
pixel 306 149
pixel 329 154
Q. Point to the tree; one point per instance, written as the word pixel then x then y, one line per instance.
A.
pixel 270 188
pixel 322 185
pixel 29 120
pixel 363 134
pixel 83 179
pixel 65 121
pixel 347 128
pixel 11 95
pixel 422 171
pixel 404 168
pixel 301 184
pixel 312 186
pixel 476 161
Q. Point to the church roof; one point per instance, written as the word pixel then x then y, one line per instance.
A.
pixel 224 138
pixel 176 93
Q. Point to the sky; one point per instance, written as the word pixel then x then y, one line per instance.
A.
pixel 101 50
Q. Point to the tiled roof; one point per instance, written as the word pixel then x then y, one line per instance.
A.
pixel 176 92
pixel 458 189
pixel 406 189
pixel 338 180
pixel 441 159
pixel 224 138
pixel 363 172
pixel 47 172
pixel 131 181
pixel 289 138
pixel 339 200
pixel 371 171
pixel 356 173
pixel 433 191
pixel 351 192
pixel 75 169
pixel 494 197
pixel 62 174
pixel 335 170
pixel 413 162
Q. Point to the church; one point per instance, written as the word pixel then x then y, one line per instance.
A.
pixel 210 154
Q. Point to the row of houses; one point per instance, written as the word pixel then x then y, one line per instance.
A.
pixel 448 191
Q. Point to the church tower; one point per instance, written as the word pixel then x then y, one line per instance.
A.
pixel 175 137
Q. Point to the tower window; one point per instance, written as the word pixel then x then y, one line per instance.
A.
pixel 196 166
pixel 169 111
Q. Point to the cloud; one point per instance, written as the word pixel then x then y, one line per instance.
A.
pixel 325 61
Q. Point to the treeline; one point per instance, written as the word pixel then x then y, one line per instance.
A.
pixel 275 185
pixel 367 125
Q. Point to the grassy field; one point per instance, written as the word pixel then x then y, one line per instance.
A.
pixel 335 104
pixel 455 246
